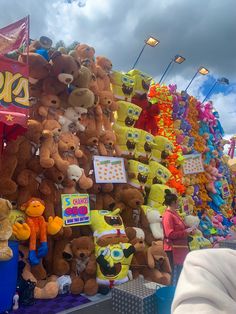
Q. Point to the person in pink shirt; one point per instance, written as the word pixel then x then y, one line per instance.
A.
pixel 175 235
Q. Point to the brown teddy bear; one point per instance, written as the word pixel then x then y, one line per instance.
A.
pixel 89 145
pixel 49 105
pixel 5 230
pixel 85 54
pixel 107 144
pixel 64 69
pixel 69 147
pixel 83 266
pixel 103 69
pixel 81 97
pixel 108 106
pixel 49 154
pixel 158 262
pixel 130 200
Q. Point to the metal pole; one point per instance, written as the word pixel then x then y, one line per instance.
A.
pixel 213 86
pixel 139 56
pixel 191 81
pixel 166 71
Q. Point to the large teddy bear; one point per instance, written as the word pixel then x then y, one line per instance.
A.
pixel 49 106
pixel 64 69
pixel 108 106
pixel 5 230
pixel 103 69
pixel 85 55
pixel 49 154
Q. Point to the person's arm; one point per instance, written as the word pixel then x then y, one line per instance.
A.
pixel 169 228
pixel 207 283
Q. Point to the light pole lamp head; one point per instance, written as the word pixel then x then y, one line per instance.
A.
pixel 179 59
pixel 152 41
pixel 203 71
pixel 223 81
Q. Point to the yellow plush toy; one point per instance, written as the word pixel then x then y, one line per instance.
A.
pixel 156 197
pixel 122 85
pixel 14 217
pixel 127 113
pixel 161 146
pixel 113 263
pixel 127 139
pixel 142 81
pixel 137 174
pixel 158 174
pixel 108 227
pixel 144 146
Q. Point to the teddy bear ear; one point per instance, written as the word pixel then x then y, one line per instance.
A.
pixel 9 205
pixel 55 55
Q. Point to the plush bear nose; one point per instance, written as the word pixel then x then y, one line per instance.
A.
pixel 72 148
pixel 137 203
pixel 53 101
pixel 68 80
pixel 59 130
pixel 81 255
pixel 95 141
pixel 60 178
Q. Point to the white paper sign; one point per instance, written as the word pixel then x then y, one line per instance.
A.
pixel 193 164
pixel 109 169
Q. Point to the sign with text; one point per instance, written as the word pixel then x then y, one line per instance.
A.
pixel 75 209
pixel 193 164
pixel 109 169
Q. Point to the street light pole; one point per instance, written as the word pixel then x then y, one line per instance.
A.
pixel 191 81
pixel 177 59
pixel 202 71
pixel 223 81
pixel 139 56
pixel 166 71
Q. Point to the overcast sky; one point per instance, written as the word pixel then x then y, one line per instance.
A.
pixel 203 31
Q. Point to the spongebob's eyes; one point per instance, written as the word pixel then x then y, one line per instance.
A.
pixel 131 81
pixel 104 212
pixel 136 135
pixel 130 111
pixel 129 135
pixel 146 170
pixel 117 254
pixel 165 176
pixel 140 168
pixel 148 138
pixel 159 172
pixel 125 79
pixel 136 113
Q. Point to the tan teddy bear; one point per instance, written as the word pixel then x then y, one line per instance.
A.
pixel 5 230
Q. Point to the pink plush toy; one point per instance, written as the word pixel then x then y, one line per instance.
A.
pixel 212 175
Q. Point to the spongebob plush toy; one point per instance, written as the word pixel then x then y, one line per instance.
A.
pixel 156 197
pixel 137 174
pixel 144 147
pixel 127 113
pixel 158 174
pixel 108 227
pixel 162 148
pixel 113 263
pixel 127 139
pixel 142 81
pixel 122 85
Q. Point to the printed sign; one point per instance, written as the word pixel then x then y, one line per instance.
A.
pixel 193 164
pixel 75 209
pixel 225 189
pixel 109 169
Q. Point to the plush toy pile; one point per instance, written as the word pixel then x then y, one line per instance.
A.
pixel 80 109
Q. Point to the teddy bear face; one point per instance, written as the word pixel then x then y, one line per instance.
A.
pixel 81 97
pixel 82 247
pixel 74 173
pixel 5 208
pixel 64 67
pixel 51 101
pixel 108 138
pixel 51 128
pixel 85 52
pixel 54 174
pixel 34 131
pixel 104 63
pixel 132 198
pixel 89 138
pixel 68 142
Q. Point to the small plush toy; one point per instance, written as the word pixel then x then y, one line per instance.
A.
pixel 108 227
pixel 156 196
pixel 137 174
pixel 49 154
pixel 162 148
pixel 85 55
pixel 142 81
pixel 127 113
pixel 49 104
pixel 144 147
pixel 35 228
pixel 69 147
pixel 83 266
pixel 103 69
pixel 127 139
pixel 158 174
pixel 81 97
pixel 122 85
pixel 71 120
pixel 108 106
pixel 5 230
pixel 108 144
pixel 76 174
pixel 155 222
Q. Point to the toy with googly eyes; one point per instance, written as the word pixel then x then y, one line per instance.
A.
pixel 127 139
pixel 137 174
pixel 158 174
pixel 113 262
pixel 156 197
pixel 122 85
pixel 127 113
pixel 108 227
pixel 142 81
pixel 144 147
pixel 162 148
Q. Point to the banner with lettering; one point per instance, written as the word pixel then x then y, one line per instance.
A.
pixel 14 92
pixel 75 209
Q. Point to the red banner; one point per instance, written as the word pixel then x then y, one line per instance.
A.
pixel 14 92
pixel 14 35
